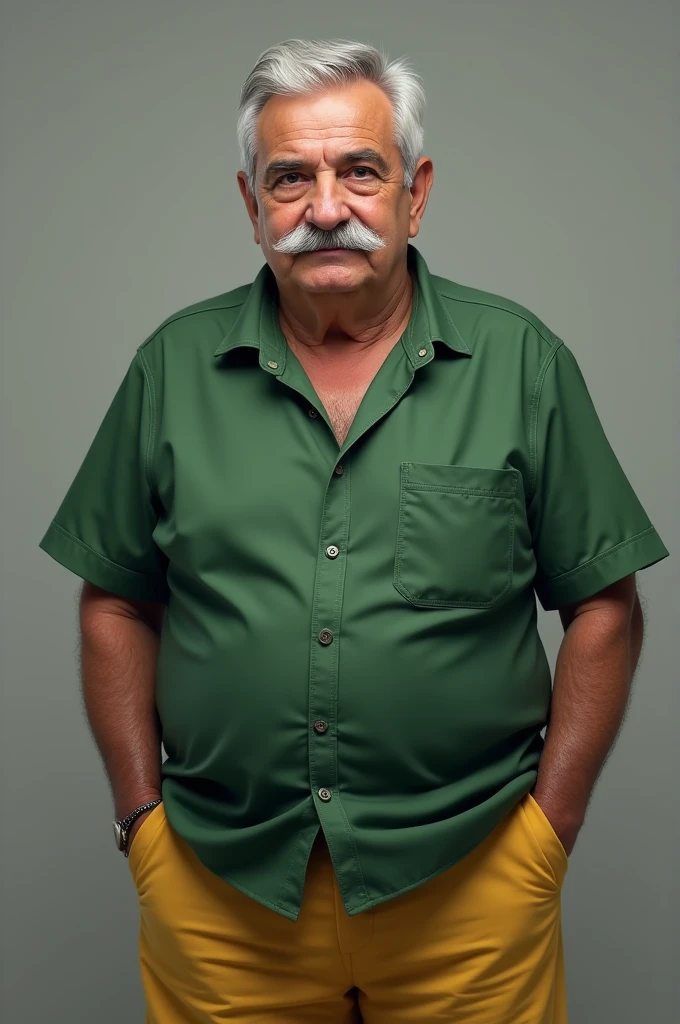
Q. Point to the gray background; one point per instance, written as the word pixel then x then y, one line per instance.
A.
pixel 552 131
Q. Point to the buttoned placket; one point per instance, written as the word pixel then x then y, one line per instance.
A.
pixel 329 585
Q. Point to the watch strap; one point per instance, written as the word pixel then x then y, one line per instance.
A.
pixel 123 824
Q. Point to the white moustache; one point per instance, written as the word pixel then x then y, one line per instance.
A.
pixel 350 235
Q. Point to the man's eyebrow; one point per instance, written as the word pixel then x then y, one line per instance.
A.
pixel 367 155
pixel 355 156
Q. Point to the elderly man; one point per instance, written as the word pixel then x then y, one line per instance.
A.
pixel 313 525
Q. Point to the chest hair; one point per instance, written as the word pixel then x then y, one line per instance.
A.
pixel 341 404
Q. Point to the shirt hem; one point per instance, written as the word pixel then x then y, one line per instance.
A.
pixel 632 555
pixel 91 565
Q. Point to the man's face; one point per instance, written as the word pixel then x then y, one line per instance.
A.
pixel 330 198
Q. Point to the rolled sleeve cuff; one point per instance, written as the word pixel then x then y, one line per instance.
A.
pixel 84 561
pixel 587 579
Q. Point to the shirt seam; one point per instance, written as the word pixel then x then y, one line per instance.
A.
pixel 598 558
pixel 549 339
pixel 182 316
pixel 114 565
pixel 533 418
pixel 151 438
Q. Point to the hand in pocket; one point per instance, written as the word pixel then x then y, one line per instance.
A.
pixel 134 828
pixel 566 833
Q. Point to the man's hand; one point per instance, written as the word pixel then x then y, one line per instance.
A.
pixel 566 832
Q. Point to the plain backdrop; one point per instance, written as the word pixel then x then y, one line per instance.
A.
pixel 553 131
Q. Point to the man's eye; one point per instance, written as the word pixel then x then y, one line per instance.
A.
pixel 295 174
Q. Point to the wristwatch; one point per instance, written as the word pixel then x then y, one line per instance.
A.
pixel 121 829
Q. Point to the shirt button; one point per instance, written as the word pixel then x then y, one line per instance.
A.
pixel 273 364
pixel 324 794
pixel 332 551
pixel 313 413
pixel 325 636
pixel 338 471
pixel 422 352
pixel 321 726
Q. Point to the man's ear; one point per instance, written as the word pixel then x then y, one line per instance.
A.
pixel 419 192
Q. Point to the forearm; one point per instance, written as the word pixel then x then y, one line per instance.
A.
pixel 593 675
pixel 119 653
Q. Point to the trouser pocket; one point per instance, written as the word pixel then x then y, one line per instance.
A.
pixel 546 841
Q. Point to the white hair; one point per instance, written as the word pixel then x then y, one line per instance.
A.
pixel 299 66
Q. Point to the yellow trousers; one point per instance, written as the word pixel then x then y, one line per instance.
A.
pixel 480 943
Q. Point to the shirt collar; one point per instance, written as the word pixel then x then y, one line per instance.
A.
pixel 257 324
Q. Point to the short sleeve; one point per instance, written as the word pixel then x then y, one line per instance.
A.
pixel 103 529
pixel 588 527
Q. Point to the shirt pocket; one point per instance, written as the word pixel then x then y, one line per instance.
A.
pixel 455 535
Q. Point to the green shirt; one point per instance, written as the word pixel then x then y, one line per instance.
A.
pixel 350 639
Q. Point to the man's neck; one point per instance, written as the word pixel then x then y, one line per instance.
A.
pixel 330 326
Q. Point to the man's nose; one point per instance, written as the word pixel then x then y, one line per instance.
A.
pixel 326 206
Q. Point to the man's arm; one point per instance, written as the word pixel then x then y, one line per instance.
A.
pixel 119 652
pixel 593 676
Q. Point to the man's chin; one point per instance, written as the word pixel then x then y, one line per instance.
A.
pixel 329 275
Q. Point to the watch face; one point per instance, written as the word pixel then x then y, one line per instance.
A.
pixel 118 833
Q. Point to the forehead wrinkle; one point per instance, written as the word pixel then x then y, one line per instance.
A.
pixel 351 144
pixel 370 124
pixel 287 134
